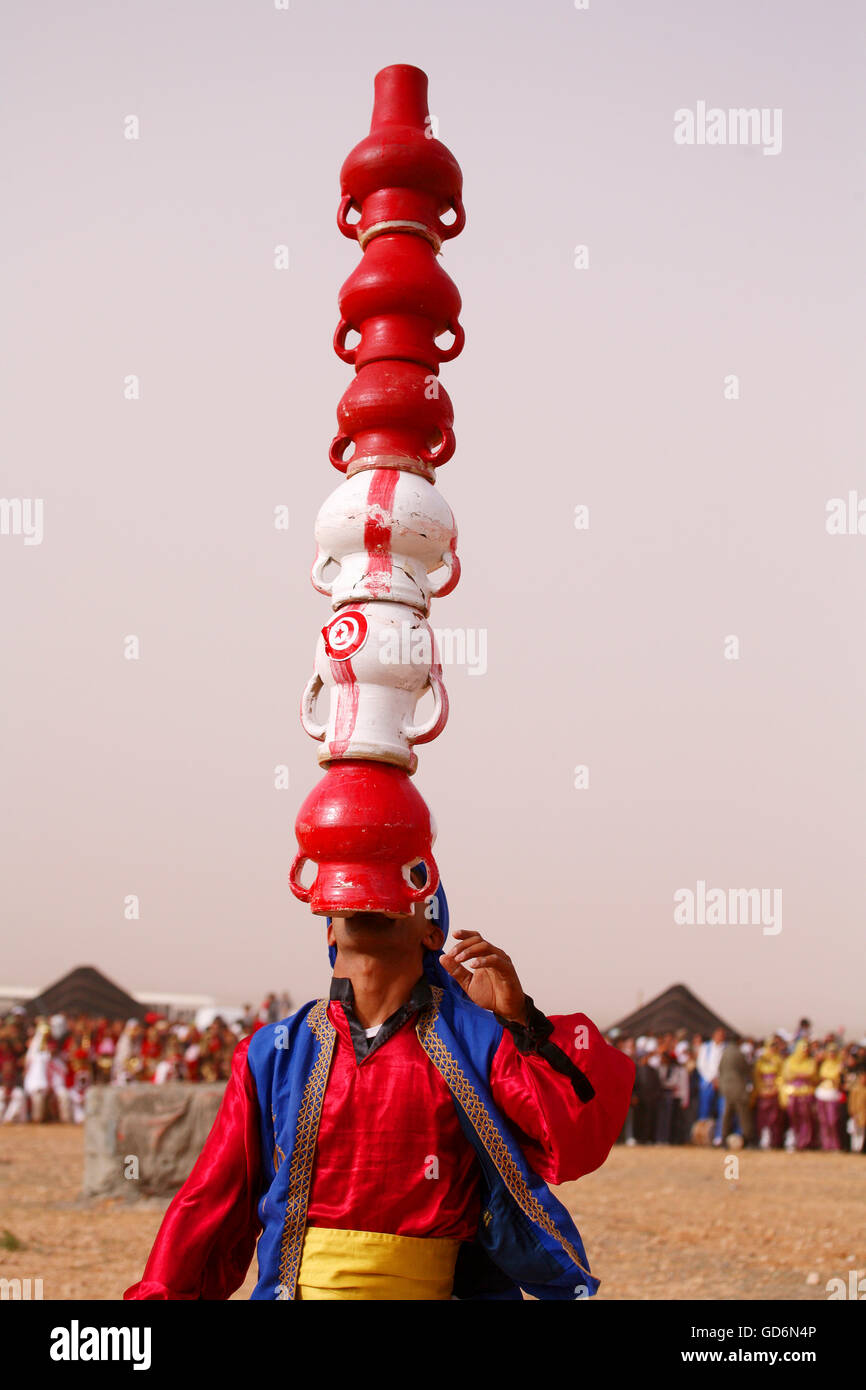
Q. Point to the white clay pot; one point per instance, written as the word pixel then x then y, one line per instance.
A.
pixel 376 660
pixel 389 531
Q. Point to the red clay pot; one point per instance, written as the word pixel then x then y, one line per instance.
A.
pixel 364 825
pixel 398 173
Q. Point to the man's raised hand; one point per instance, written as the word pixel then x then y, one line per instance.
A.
pixel 485 973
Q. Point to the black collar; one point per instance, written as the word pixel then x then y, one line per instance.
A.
pixel 343 993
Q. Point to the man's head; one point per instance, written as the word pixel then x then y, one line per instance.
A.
pixel 719 1036
pixel 393 940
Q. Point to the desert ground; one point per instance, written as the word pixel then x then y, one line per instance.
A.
pixel 657 1222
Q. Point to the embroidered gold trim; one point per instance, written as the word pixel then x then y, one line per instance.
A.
pixel 476 1112
pixel 277 1149
pixel 304 1150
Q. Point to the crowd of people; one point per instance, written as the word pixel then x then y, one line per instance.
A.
pixel 792 1091
pixel 48 1064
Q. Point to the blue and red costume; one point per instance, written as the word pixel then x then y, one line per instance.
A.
pixel 449 1130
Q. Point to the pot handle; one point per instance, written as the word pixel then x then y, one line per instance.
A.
pixel 442 452
pixel 447 229
pixel 448 354
pixel 339 445
pixel 294 880
pixel 424 733
pixel 324 586
pixel 350 229
pixel 429 888
pixel 451 563
pixel 308 705
pixel 348 354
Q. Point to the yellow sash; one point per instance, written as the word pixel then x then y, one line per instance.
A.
pixel 370 1265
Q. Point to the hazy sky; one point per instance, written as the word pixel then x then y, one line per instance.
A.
pixel 602 386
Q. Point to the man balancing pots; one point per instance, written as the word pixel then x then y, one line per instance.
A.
pixel 395 1140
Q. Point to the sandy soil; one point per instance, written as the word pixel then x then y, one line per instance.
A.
pixel 657 1222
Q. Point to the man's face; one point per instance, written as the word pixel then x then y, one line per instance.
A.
pixel 375 934
pixel 719 1035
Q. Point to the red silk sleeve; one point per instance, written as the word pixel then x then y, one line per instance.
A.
pixel 563 1137
pixel 206 1241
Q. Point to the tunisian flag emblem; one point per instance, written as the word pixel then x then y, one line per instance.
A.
pixel 345 635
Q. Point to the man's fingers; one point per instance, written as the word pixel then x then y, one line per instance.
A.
pixel 474 959
pixel 472 942
pixel 475 943
pixel 487 960
pixel 479 950
pixel 456 971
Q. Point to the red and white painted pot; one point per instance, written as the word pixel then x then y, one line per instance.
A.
pixel 389 531
pixel 364 825
pixel 376 660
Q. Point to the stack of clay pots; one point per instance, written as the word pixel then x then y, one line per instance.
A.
pixel 386 538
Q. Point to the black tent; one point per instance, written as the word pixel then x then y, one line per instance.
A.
pixel 674 1008
pixel 86 991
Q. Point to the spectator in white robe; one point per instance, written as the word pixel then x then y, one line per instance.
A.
pixel 36 1061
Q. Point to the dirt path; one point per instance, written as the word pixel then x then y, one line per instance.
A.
pixel 657 1222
